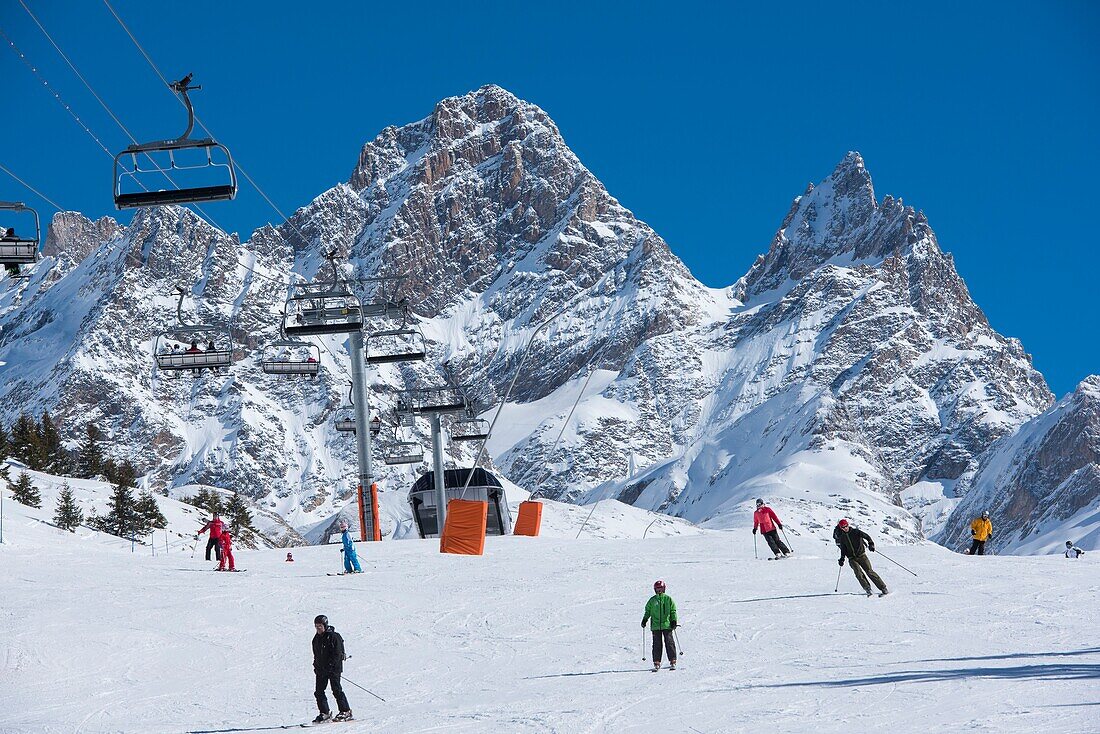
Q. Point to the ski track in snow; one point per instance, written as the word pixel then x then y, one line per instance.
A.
pixel 541 635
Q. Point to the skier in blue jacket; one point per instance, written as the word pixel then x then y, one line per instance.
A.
pixel 351 560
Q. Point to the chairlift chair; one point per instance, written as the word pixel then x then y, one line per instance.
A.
pixel 315 311
pixel 470 428
pixel 345 419
pixel 18 249
pixel 294 365
pixel 193 347
pixel 161 155
pixel 403 452
pixel 396 345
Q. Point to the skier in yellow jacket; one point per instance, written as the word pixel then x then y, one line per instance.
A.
pixel 981 530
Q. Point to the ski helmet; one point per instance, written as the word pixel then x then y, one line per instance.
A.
pixel 759 501
pixel 985 513
pixel 842 524
pixel 321 619
pixel 658 585
pixel 1069 543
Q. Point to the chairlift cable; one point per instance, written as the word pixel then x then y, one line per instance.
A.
pixel 52 203
pixel 199 210
pixel 164 79
pixel 54 92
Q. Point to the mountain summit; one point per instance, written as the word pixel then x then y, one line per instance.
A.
pixel 848 368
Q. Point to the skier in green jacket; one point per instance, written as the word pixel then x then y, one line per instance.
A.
pixel 662 610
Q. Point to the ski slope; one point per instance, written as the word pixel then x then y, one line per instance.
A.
pixel 541 635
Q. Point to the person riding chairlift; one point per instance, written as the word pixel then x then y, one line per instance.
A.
pixel 11 268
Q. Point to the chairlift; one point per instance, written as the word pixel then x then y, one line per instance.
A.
pixel 291 358
pixel 208 346
pixel 470 428
pixel 318 308
pixel 17 249
pixel 396 345
pixel 345 419
pixel 402 452
pixel 161 155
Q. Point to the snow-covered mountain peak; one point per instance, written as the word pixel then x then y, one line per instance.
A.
pixel 838 221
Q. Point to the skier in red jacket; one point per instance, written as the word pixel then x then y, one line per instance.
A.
pixel 216 527
pixel 768 522
pixel 227 551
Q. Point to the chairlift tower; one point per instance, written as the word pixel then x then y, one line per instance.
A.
pixel 433 402
pixel 320 308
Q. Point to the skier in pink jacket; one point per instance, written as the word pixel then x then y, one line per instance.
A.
pixel 768 522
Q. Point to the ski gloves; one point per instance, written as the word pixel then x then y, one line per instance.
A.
pixel 841 561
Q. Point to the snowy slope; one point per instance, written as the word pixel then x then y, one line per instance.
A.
pixel 541 635
pixel 184 520
pixel 1041 485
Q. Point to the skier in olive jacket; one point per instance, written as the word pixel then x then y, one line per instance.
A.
pixel 851 540
pixel 662 611
pixel 328 665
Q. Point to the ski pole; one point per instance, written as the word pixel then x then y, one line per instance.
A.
pixel 643 644
pixel 789 546
pixel 838 572
pixel 754 555
pixel 365 689
pixel 893 561
pixel 676 637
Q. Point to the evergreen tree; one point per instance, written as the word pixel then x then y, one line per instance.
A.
pixel 239 519
pixel 90 461
pixel 68 514
pixel 148 513
pixel 24 441
pixel 208 500
pixel 122 518
pixel 54 456
pixel 5 444
pixel 24 492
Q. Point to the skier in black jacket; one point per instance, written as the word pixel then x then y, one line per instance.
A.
pixel 850 540
pixel 328 664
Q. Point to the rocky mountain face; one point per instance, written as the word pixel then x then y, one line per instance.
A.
pixel 848 367
pixel 1041 485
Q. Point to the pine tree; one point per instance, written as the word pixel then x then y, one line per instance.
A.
pixel 68 514
pixel 24 441
pixel 55 458
pixel 5 444
pixel 240 519
pixel 122 517
pixel 148 514
pixel 24 492
pixel 208 500
pixel 90 461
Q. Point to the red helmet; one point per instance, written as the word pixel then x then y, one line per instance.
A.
pixel 842 524
pixel 658 585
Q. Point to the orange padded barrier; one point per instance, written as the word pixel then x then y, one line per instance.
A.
pixel 529 520
pixel 464 530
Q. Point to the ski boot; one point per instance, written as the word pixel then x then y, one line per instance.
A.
pixel 884 592
pixel 656 667
pixel 869 592
pixel 672 665
pixel 322 717
pixel 343 716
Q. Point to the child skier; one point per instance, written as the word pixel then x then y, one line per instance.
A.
pixel 662 610
pixel 1073 551
pixel 850 540
pixel 351 560
pixel 328 665
pixel 227 551
pixel 766 519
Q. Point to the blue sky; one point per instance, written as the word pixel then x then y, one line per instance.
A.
pixel 704 120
